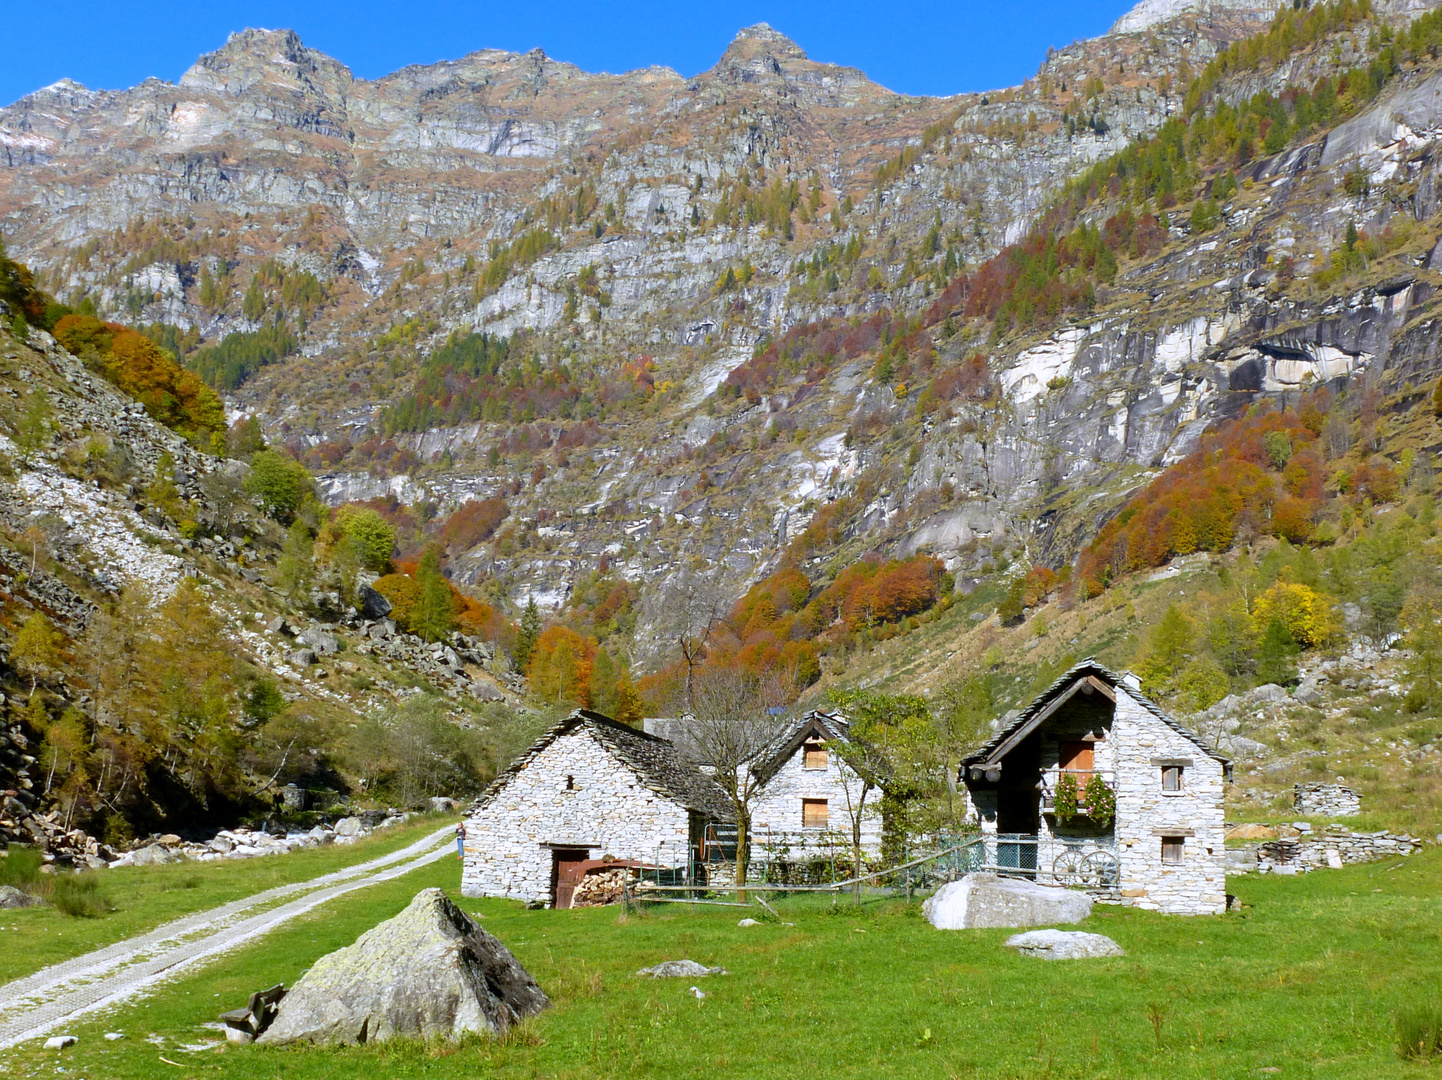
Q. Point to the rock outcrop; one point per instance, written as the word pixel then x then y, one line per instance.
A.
pixel 431 972
pixel 988 900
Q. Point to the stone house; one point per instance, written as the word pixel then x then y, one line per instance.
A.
pixel 810 800
pixel 1160 847
pixel 588 789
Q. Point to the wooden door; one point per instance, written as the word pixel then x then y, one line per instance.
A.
pixel 568 866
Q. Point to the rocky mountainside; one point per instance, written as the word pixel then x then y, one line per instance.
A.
pixel 637 239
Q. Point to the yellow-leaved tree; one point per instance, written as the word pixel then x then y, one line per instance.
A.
pixel 1305 612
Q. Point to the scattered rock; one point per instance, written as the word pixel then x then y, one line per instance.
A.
pixel 681 969
pixel 322 642
pixel 114 1036
pixel 301 658
pixel 153 855
pixel 11 897
pixel 349 826
pixel 1251 831
pixel 981 900
pixel 442 805
pixel 1063 945
pixel 60 1042
pixel 371 604
pixel 748 922
pixel 430 972
pixel 278 625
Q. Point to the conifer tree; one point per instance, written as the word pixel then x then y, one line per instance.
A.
pixel 526 637
pixel 1275 653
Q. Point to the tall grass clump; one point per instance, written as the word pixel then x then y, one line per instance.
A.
pixel 79 896
pixel 1419 1030
pixel 21 869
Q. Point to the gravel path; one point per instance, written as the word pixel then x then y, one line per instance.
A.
pixel 38 1004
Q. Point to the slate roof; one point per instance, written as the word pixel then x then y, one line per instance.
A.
pixel 653 759
pixel 827 725
pixel 1089 666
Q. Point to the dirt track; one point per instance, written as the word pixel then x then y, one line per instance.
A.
pixel 40 1003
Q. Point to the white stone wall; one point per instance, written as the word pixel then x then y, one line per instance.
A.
pixel 610 811
pixel 1198 886
pixel 776 813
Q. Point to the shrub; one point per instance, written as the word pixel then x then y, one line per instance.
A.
pixel 79 896
pixel 1419 1030
pixel 21 868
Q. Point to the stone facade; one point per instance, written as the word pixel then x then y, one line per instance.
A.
pixel 1167 838
pixel 1326 800
pixel 778 827
pixel 1146 814
pixel 575 789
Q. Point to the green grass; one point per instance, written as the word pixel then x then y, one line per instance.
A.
pixel 1308 979
pixel 130 900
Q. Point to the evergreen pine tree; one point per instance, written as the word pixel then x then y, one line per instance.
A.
pixel 528 633
pixel 1275 654
pixel 435 611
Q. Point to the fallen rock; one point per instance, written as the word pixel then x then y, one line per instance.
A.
pixel 681 969
pixel 981 900
pixel 349 826
pixel 749 922
pixel 442 805
pixel 371 604
pixel 11 897
pixel 1063 945
pixel 301 658
pixel 153 855
pixel 60 1042
pixel 114 1036
pixel 430 972
pixel 322 642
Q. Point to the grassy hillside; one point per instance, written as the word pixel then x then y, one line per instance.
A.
pixel 1305 981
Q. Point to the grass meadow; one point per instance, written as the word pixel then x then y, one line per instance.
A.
pixel 1306 981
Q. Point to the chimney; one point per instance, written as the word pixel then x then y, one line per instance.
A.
pixel 1131 682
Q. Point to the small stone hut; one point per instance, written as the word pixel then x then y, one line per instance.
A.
pixel 588 788
pixel 1161 847
pixel 810 800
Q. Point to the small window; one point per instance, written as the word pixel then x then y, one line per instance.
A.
pixel 813 813
pixel 1171 778
pixel 570 783
pixel 1172 847
pixel 814 756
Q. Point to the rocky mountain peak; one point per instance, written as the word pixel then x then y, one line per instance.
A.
pixel 276 57
pixel 758 51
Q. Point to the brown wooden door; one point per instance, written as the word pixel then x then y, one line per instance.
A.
pixel 568 866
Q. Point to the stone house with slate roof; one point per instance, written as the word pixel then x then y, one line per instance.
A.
pixel 588 788
pixel 1163 849
pixel 809 798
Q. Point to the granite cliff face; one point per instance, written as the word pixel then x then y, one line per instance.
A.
pixel 163 201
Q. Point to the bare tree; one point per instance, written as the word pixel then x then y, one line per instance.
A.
pixel 699 606
pixel 732 725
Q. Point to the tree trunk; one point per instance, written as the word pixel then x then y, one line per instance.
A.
pixel 856 843
pixel 743 829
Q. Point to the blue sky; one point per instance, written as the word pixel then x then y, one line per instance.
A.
pixel 913 46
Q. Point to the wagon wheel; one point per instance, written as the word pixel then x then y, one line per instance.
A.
pixel 1068 865
pixel 1100 868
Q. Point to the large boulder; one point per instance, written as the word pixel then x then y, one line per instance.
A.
pixel 982 900
pixel 1063 945
pixel 371 604
pixel 431 972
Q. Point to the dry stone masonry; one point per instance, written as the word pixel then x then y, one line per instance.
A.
pixel 1326 800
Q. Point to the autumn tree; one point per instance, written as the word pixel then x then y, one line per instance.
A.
pixel 36 648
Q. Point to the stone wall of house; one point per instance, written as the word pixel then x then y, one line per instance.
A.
pixel 1146 814
pixel 1326 800
pixel 776 826
pixel 573 793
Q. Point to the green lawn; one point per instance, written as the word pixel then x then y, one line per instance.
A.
pixel 1304 980
pixel 147 896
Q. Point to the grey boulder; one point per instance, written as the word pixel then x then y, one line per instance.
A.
pixel 11 897
pixel 431 972
pixel 987 900
pixel 1063 945
pixel 154 855
pixel 322 642
pixel 681 969
pixel 349 826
